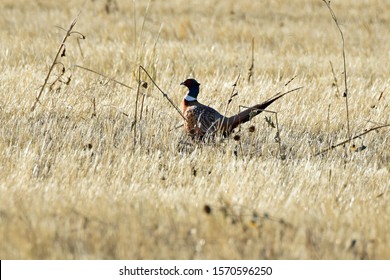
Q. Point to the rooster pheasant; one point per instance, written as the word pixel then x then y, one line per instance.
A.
pixel 202 121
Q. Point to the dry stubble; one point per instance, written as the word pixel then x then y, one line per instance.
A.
pixel 74 185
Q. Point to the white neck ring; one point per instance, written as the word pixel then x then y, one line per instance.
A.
pixel 189 98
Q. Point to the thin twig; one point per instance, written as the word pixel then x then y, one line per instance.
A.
pixel 142 106
pixel 54 63
pixel 380 96
pixel 350 139
pixel 286 84
pixel 94 107
pixel 232 94
pixel 102 75
pixel 328 118
pixel 376 123
pixel 59 76
pixel 334 79
pixel 163 93
pixel 279 139
pixel 136 107
pixel 79 45
pixel 327 3
pixel 289 81
pixel 250 74
pixel 144 85
pixel 176 127
pixel 122 84
pixel 379 99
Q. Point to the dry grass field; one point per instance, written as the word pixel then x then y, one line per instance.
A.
pixel 79 181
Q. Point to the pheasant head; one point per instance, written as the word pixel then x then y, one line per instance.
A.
pixel 193 89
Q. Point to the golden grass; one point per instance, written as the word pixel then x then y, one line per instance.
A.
pixel 74 185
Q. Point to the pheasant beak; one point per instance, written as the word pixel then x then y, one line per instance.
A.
pixel 182 84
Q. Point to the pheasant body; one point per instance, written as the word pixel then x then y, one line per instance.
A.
pixel 202 120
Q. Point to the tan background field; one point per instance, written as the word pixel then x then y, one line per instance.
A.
pixel 78 181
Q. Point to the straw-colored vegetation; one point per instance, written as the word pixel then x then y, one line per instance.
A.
pixel 79 181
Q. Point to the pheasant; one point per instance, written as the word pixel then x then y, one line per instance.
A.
pixel 202 121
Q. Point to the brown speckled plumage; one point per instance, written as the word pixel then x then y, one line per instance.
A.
pixel 200 119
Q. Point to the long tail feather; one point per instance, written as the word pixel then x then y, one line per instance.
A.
pixel 232 122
